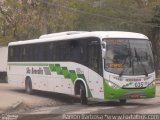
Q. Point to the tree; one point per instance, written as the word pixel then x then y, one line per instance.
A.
pixel 28 19
pixel 21 20
pixel 155 37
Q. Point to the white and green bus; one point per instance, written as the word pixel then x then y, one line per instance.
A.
pixel 106 65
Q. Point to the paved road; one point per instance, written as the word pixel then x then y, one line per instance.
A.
pixel 15 98
pixel 151 106
pixel 54 106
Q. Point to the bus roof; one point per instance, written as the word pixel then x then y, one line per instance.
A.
pixel 80 34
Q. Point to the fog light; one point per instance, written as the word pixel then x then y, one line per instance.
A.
pixel 113 85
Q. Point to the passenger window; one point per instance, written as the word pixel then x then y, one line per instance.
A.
pixel 94 58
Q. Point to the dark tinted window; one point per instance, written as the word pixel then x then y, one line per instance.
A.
pixel 78 50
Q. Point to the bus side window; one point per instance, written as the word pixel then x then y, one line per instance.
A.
pixel 16 53
pixel 23 53
pixel 75 51
pixel 50 51
pixel 94 58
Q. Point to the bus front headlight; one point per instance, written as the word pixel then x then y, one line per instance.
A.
pixel 113 85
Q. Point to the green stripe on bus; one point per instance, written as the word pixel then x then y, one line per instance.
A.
pixel 58 69
pixel 71 74
pixel 65 72
pixel 52 67
pixel 119 93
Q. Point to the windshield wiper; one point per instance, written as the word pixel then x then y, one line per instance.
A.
pixel 121 73
pixel 139 61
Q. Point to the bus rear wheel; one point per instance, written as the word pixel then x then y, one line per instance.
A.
pixel 83 97
pixel 28 86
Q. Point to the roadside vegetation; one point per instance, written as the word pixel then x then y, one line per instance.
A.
pixel 28 19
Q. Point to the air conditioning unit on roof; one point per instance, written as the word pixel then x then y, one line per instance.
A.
pixel 61 34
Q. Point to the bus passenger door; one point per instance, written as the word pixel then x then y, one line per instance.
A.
pixel 95 81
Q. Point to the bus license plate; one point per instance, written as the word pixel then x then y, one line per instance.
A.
pixel 140 84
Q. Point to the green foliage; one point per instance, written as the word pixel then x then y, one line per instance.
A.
pixel 155 36
pixel 23 19
pixel 28 19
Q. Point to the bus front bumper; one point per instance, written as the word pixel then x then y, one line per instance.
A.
pixel 111 93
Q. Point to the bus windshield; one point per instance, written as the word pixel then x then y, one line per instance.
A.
pixel 128 57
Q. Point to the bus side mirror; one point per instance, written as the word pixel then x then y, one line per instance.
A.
pixel 103 49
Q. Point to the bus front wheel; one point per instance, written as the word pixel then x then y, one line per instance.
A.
pixel 28 86
pixel 83 97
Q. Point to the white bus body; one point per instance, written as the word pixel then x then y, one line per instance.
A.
pixel 78 64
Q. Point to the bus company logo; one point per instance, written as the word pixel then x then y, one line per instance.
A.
pixel 34 70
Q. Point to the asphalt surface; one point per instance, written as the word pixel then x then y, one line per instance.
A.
pixel 51 106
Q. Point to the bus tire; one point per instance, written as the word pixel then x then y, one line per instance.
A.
pixel 123 101
pixel 83 97
pixel 28 86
